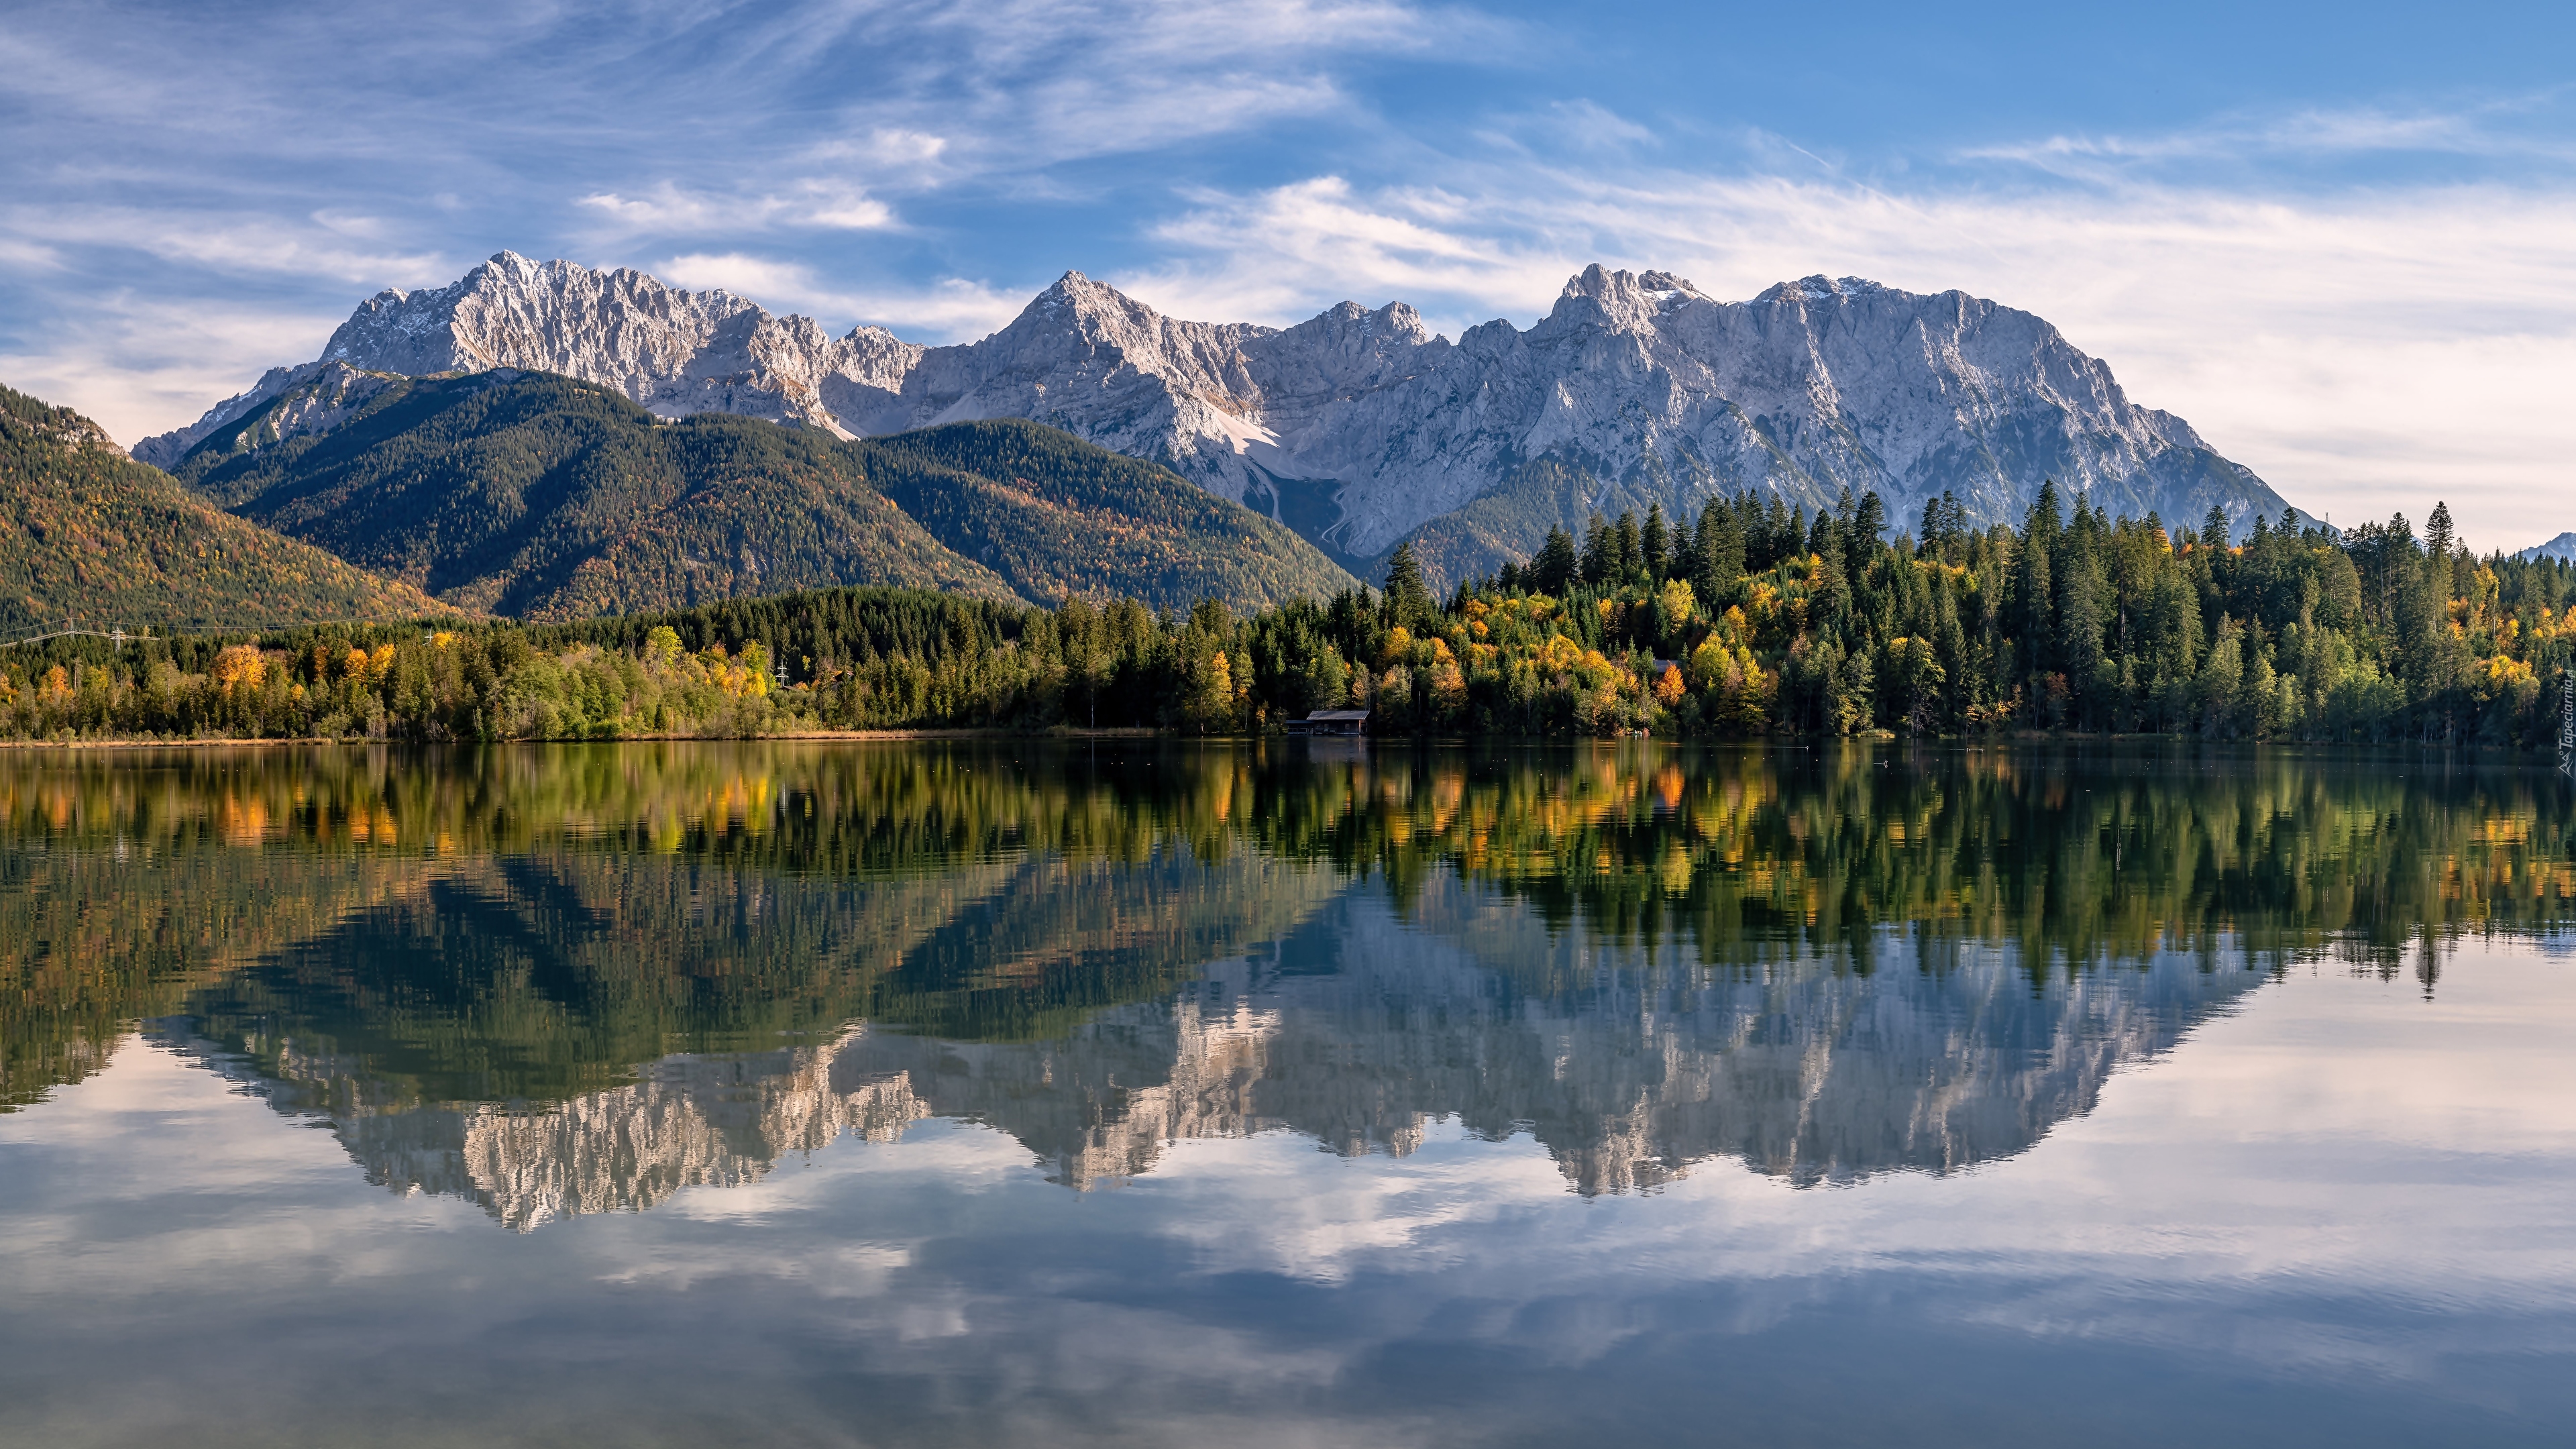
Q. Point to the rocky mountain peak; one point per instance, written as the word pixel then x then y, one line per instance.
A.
pixel 1618 301
pixel 1077 303
pixel 1061 298
pixel 1821 288
pixel 1623 287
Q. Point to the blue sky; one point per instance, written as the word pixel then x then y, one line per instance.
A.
pixel 2341 240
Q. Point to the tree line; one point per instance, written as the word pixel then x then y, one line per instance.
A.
pixel 1755 619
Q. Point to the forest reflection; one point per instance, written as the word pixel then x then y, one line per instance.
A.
pixel 569 978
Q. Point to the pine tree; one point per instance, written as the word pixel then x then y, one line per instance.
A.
pixel 1719 550
pixel 1657 546
pixel 2034 602
pixel 1871 521
pixel 1600 551
pixel 1555 566
pixel 1783 529
pixel 2044 522
pixel 1408 599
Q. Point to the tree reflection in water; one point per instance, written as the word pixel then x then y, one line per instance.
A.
pixel 559 980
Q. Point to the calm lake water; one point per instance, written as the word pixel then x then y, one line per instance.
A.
pixel 822 1094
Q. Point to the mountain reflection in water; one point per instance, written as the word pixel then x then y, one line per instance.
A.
pixel 573 980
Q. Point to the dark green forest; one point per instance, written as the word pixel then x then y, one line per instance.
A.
pixel 1753 621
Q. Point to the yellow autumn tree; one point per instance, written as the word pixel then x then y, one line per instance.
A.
pixel 240 668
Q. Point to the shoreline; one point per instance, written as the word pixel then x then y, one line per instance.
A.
pixel 860 735
pixel 1059 733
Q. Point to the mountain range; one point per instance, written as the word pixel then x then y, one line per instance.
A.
pixel 1360 428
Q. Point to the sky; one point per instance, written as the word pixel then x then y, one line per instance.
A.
pixel 2339 239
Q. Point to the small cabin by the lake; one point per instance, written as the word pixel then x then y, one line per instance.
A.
pixel 1331 722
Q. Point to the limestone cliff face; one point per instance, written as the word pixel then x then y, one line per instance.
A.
pixel 1808 389
pixel 1361 427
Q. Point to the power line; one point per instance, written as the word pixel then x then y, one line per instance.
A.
pixel 211 631
pixel 116 636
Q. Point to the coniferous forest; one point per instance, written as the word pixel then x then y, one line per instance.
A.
pixel 1751 620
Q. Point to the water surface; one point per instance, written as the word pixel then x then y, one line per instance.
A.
pixel 1150 1093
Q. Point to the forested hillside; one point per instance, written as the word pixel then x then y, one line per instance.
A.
pixel 539 497
pixel 89 537
pixel 1057 516
pixel 1756 621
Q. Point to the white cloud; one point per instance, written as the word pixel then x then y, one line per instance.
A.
pixel 2307 134
pixel 16 252
pixel 1280 255
pixel 229 241
pixel 140 366
pixel 667 210
pixel 774 284
pixel 952 309
pixel 1013 87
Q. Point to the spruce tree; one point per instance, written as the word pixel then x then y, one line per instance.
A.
pixel 1600 551
pixel 1871 521
pixel 2044 522
pixel 1782 531
pixel 1408 599
pixel 1555 566
pixel 1719 550
pixel 2437 533
pixel 2215 530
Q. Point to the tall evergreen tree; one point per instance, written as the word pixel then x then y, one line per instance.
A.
pixel 1600 551
pixel 1556 564
pixel 1718 550
pixel 2034 599
pixel 1784 530
pixel 1408 599
pixel 1870 521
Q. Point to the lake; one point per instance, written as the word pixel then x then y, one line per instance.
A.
pixel 1294 1093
